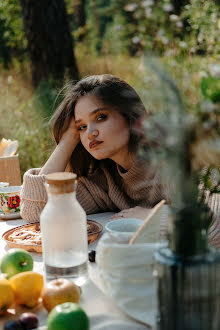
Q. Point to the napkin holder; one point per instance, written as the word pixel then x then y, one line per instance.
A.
pixel 10 170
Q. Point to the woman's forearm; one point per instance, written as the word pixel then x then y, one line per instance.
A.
pixel 59 159
pixel 61 155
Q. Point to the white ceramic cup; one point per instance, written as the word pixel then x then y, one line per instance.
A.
pixel 121 230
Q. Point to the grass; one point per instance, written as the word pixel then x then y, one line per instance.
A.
pixel 24 114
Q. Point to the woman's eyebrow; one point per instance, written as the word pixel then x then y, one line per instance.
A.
pixel 91 114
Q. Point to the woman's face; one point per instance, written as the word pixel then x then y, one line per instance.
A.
pixel 104 133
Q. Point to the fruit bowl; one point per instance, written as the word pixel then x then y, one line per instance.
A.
pixel 28 237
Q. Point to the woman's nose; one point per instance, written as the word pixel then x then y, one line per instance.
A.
pixel 92 133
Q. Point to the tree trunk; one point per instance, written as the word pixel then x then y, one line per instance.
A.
pixel 79 12
pixel 80 17
pixel 50 43
pixel 178 4
pixel 96 16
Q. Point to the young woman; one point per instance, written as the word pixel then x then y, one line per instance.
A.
pixel 94 128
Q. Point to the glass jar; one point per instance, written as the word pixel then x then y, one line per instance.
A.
pixel 64 230
pixel 188 290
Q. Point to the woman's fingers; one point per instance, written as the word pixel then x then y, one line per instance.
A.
pixel 135 212
pixel 71 135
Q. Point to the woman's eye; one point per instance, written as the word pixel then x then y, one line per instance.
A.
pixel 101 117
pixel 80 128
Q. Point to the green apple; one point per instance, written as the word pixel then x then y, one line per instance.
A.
pixel 67 316
pixel 16 261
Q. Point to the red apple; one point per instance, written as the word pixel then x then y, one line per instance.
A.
pixel 60 291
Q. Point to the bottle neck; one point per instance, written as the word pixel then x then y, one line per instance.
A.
pixel 61 196
pixel 61 189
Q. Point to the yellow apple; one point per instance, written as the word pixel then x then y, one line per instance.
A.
pixel 60 291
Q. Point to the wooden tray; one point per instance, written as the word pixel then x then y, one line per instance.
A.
pixel 94 231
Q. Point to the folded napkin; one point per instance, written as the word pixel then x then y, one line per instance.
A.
pixel 126 275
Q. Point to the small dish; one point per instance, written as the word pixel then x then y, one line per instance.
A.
pixel 4 184
pixel 125 225
pixel 10 216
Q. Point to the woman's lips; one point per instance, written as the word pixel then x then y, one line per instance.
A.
pixel 94 144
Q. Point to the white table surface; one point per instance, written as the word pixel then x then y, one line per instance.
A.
pixel 102 311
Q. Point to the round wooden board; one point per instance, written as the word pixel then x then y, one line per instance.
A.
pixel 95 231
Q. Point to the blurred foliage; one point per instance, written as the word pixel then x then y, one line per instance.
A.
pixel 117 34
pixel 12 40
pixel 203 18
pixel 127 27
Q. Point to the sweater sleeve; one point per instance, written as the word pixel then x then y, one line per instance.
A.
pixel 34 196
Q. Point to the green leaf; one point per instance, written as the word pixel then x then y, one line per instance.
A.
pixel 210 87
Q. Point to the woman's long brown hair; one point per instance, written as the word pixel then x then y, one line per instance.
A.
pixel 115 93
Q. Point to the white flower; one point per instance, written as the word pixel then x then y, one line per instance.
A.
pixel 167 7
pixel 118 27
pixel 169 53
pixel 147 3
pixel 183 44
pixel 192 50
pixel 174 18
pixel 203 74
pixel 136 40
pixel 131 7
pixel 214 70
pixel 164 40
pixel 200 37
pixel 9 80
pixel 179 24
pixel 208 106
pixel 148 12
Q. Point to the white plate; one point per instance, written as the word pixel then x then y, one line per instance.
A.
pixel 10 216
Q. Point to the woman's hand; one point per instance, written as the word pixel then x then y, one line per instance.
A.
pixel 134 212
pixel 71 136
pixel 60 157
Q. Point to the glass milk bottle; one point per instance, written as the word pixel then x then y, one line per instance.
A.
pixel 64 230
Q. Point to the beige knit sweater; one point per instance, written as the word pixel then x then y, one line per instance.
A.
pixel 111 191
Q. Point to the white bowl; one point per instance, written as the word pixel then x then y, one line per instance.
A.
pixel 125 225
pixel 10 189
pixel 4 184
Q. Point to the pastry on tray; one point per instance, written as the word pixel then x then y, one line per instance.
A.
pixel 29 236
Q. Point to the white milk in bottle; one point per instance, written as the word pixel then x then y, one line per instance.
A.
pixel 64 230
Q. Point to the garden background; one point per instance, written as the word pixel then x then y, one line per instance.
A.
pixel 102 36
